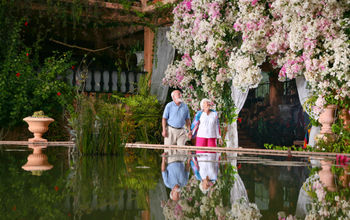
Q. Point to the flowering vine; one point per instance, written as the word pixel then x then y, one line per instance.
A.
pixel 202 32
pixel 300 38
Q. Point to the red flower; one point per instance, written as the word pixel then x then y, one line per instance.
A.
pixel 18 74
pixel 26 23
pixel 56 188
pixel 73 67
pixel 239 120
pixel 239 166
pixel 58 93
pixel 27 54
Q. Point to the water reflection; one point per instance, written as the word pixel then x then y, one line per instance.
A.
pixel 213 192
pixel 37 162
pixel 121 188
pixel 175 172
pixel 326 192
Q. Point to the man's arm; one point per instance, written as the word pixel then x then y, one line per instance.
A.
pixel 164 124
pixel 188 125
pixel 188 164
pixel 163 167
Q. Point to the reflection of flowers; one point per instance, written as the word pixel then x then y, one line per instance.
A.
pixel 213 205
pixel 242 209
pixel 325 204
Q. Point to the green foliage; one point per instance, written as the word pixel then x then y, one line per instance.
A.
pixel 338 143
pixel 39 114
pixel 97 182
pixel 25 196
pixel 143 114
pixel 99 126
pixel 276 147
pixel 228 110
pixel 27 84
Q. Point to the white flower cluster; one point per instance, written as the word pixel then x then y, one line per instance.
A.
pixel 202 31
pixel 243 210
pixel 245 74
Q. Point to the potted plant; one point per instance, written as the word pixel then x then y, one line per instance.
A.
pixel 38 124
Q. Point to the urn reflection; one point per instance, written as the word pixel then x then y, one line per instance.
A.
pixel 37 161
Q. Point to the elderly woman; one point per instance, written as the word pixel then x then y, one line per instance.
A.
pixel 206 130
pixel 205 126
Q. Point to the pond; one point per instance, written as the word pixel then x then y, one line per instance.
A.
pixel 132 186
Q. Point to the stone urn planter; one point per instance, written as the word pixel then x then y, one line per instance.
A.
pixel 37 161
pixel 327 119
pixel 326 175
pixel 345 116
pixel 38 126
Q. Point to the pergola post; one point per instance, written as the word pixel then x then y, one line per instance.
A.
pixel 148 49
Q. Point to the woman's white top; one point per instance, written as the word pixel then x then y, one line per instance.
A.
pixel 208 165
pixel 208 126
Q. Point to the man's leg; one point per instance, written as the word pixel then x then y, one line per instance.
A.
pixel 174 154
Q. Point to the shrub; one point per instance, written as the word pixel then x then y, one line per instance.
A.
pixel 26 84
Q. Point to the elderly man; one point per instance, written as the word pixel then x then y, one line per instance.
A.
pixel 175 116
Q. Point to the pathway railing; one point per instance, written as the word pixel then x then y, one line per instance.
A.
pixel 107 81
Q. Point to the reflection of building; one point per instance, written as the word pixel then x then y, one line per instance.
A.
pixel 37 161
pixel 273 189
pixel 261 196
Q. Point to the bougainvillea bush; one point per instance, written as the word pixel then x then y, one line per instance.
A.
pixel 202 32
pixel 28 84
pixel 301 38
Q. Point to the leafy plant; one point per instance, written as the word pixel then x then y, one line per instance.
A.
pixel 99 126
pixel 143 113
pixel 26 83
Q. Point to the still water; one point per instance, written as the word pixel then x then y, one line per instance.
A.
pixel 132 187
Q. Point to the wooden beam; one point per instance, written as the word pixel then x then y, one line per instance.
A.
pixel 252 151
pixel 148 49
pixel 111 16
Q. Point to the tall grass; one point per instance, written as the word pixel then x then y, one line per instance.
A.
pixel 99 127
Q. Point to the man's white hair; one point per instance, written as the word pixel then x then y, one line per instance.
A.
pixel 173 93
pixel 204 101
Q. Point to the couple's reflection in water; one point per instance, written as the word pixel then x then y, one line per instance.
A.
pixel 214 190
